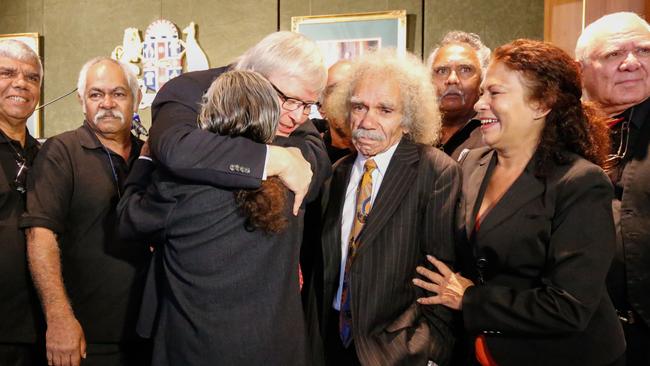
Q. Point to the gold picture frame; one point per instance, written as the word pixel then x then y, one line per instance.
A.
pixel 34 123
pixel 345 36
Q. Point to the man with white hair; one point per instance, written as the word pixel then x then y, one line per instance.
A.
pixel 457 66
pixel 89 281
pixel 614 52
pixel 390 204
pixel 21 75
pixel 294 66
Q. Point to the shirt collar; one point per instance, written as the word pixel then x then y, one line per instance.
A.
pixel 30 142
pixel 382 160
pixel 89 140
pixel 87 137
pixel 641 111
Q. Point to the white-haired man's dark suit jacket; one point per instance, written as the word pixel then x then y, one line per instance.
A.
pixel 412 215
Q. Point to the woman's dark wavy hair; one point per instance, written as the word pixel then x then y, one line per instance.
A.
pixel 243 103
pixel 554 80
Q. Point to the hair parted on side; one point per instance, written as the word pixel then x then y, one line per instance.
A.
pixel 289 54
pixel 421 117
pixel 243 103
pixel 18 50
pixel 553 79
pixel 459 37
pixel 131 77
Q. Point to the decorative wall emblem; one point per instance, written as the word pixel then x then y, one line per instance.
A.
pixel 161 55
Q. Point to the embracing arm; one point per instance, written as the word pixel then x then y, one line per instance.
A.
pixel 307 139
pixel 204 157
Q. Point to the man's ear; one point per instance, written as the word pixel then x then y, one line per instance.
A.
pixel 137 104
pixel 83 105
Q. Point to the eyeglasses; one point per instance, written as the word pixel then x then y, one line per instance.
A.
pixel 291 104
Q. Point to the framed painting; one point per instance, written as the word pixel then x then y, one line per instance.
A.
pixel 346 36
pixel 34 123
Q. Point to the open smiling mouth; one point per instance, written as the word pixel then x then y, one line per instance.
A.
pixel 489 121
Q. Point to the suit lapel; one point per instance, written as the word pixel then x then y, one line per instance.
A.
pixel 474 189
pixel 399 179
pixel 523 190
pixel 334 213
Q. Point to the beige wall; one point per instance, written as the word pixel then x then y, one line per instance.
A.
pixel 76 30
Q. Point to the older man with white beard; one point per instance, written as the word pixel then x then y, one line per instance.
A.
pixel 89 281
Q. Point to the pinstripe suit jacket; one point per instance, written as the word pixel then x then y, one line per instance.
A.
pixel 412 215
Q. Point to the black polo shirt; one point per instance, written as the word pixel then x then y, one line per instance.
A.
pixel 468 137
pixel 21 319
pixel 73 190
pixel 637 143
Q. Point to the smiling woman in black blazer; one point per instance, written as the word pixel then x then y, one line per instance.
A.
pixel 537 234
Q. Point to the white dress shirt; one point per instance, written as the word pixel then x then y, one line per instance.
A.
pixel 382 160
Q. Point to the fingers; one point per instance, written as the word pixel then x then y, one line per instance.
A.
pixel 82 347
pixel 432 276
pixel 299 197
pixel 431 300
pixel 73 359
pixel 431 287
pixel 50 358
pixel 440 266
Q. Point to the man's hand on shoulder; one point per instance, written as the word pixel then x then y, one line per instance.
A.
pixel 294 171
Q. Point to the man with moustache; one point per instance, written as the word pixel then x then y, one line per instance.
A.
pixel 390 204
pixel 457 66
pixel 614 52
pixel 21 75
pixel 89 281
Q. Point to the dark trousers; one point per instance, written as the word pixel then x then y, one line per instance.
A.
pixel 118 354
pixel 637 337
pixel 335 353
pixel 22 354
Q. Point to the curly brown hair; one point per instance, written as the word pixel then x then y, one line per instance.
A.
pixel 243 103
pixel 554 80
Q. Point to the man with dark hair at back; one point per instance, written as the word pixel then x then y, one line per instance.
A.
pixel 335 132
pixel 457 66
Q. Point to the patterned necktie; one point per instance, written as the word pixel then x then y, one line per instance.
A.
pixel 363 206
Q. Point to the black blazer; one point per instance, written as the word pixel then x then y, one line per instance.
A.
pixel 198 155
pixel 412 215
pixel 204 157
pixel 544 250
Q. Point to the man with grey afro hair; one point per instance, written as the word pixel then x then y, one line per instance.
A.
pixel 390 204
pixel 21 325
pixel 457 66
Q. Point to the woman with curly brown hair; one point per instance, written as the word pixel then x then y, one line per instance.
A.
pixel 537 236
pixel 223 288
